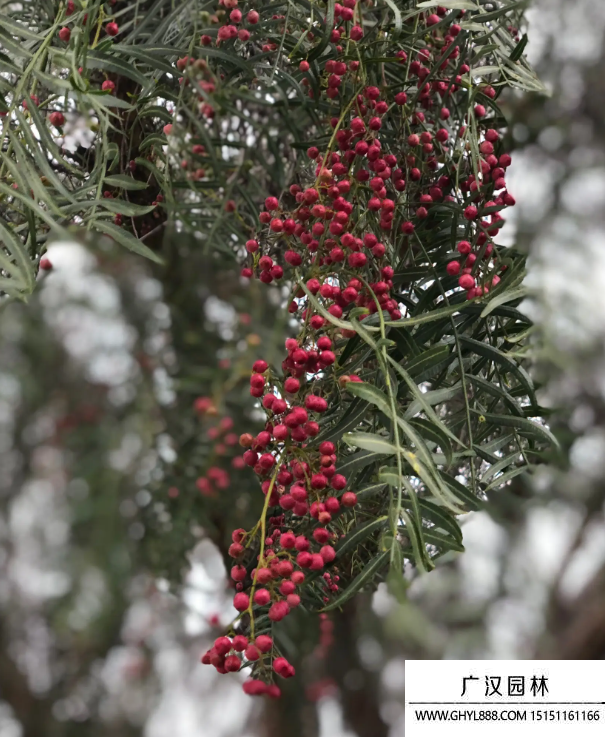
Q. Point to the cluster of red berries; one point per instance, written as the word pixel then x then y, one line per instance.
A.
pixel 397 159
pixel 221 443
pixel 228 654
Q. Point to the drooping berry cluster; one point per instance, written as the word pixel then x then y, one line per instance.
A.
pixel 399 156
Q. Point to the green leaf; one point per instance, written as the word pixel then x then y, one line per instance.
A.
pixel 396 582
pixel 121 207
pixel 362 578
pixel 510 295
pixel 396 13
pixel 124 238
pixel 371 394
pixel 371 442
pixel 328 26
pixel 367 492
pixel 420 398
pixel 106 101
pixel 355 461
pixel 57 229
pixel 435 355
pixel 508 476
pixel 17 50
pixel 443 541
pixel 523 425
pixel 441 518
pixel 483 71
pixel 355 412
pixel 405 343
pixel 437 396
pixel 436 435
pixel 123 181
pixel 415 534
pixel 16 264
pixel 465 495
pixel 437 314
pixel 98 60
pixel 154 60
pixel 503 10
pixel 19 29
pixel 500 465
pixel 358 534
pixel 449 4
pixel 390 475
pixel 508 364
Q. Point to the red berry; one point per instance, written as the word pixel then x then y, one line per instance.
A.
pixel 232 664
pixel 264 643
pixel 262 597
pixel 57 119
pixel 278 611
pixel 466 281
pixel 252 653
pixel 222 645
pixel 241 601
pixel 240 643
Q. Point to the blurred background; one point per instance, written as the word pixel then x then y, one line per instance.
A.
pixel 118 490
